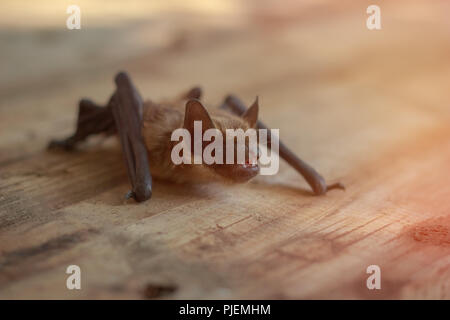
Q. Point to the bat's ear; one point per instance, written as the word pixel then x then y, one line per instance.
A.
pixel 251 115
pixel 195 111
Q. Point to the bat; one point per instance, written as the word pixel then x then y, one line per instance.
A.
pixel 145 129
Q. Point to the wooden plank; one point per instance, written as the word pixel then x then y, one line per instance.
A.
pixel 367 108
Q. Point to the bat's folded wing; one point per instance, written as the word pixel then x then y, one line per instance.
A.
pixel 128 112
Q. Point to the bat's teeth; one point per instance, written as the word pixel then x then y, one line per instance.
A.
pixel 248 164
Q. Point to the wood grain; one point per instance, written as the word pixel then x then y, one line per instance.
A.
pixel 368 108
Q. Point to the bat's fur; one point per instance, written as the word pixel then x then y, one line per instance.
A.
pixel 161 119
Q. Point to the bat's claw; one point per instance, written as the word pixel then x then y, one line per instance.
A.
pixel 320 187
pixel 130 194
pixel 337 185
pixel 140 195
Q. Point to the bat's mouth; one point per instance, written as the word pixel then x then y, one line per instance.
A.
pixel 237 172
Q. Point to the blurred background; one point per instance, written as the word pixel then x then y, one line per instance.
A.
pixel 370 108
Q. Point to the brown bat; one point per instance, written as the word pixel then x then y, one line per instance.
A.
pixel 145 130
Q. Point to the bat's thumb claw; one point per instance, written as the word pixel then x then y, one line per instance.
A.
pixel 321 188
pixel 122 76
pixel 337 185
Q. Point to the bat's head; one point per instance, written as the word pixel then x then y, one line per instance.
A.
pixel 230 141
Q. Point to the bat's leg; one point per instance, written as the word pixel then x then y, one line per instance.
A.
pixel 92 119
pixel 314 179
pixel 127 110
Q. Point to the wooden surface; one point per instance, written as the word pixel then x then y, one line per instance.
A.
pixel 368 108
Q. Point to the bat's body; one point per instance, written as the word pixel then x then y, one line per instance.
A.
pixel 145 131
